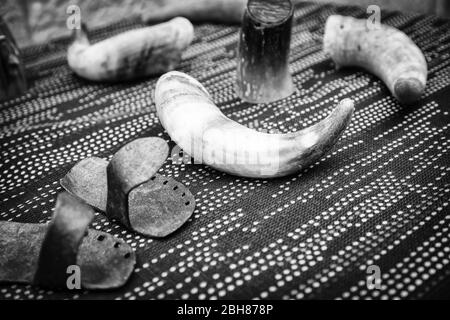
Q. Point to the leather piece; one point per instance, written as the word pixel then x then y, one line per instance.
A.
pixel 62 239
pixel 142 200
pixel 20 244
pixel 160 206
pixel 87 181
pixel 35 253
pixel 106 262
pixel 133 164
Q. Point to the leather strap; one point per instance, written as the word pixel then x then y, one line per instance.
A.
pixel 134 164
pixel 64 235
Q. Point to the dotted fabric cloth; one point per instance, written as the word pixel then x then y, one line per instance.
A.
pixel 379 198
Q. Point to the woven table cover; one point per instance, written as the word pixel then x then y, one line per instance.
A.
pixel 379 199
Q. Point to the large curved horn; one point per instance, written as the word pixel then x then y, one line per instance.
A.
pixel 132 54
pixel 384 51
pixel 194 122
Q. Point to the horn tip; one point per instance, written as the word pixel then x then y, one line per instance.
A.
pixel 345 109
pixel 347 104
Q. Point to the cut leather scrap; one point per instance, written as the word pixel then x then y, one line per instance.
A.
pixel 87 181
pixel 63 237
pixel 132 165
pixel 159 206
pixel 40 254
pixel 129 190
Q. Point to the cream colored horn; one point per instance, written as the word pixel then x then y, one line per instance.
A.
pixel 194 122
pixel 382 50
pixel 132 54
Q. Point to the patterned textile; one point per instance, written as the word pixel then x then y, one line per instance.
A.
pixel 380 198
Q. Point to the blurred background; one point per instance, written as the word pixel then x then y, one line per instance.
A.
pixel 36 21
